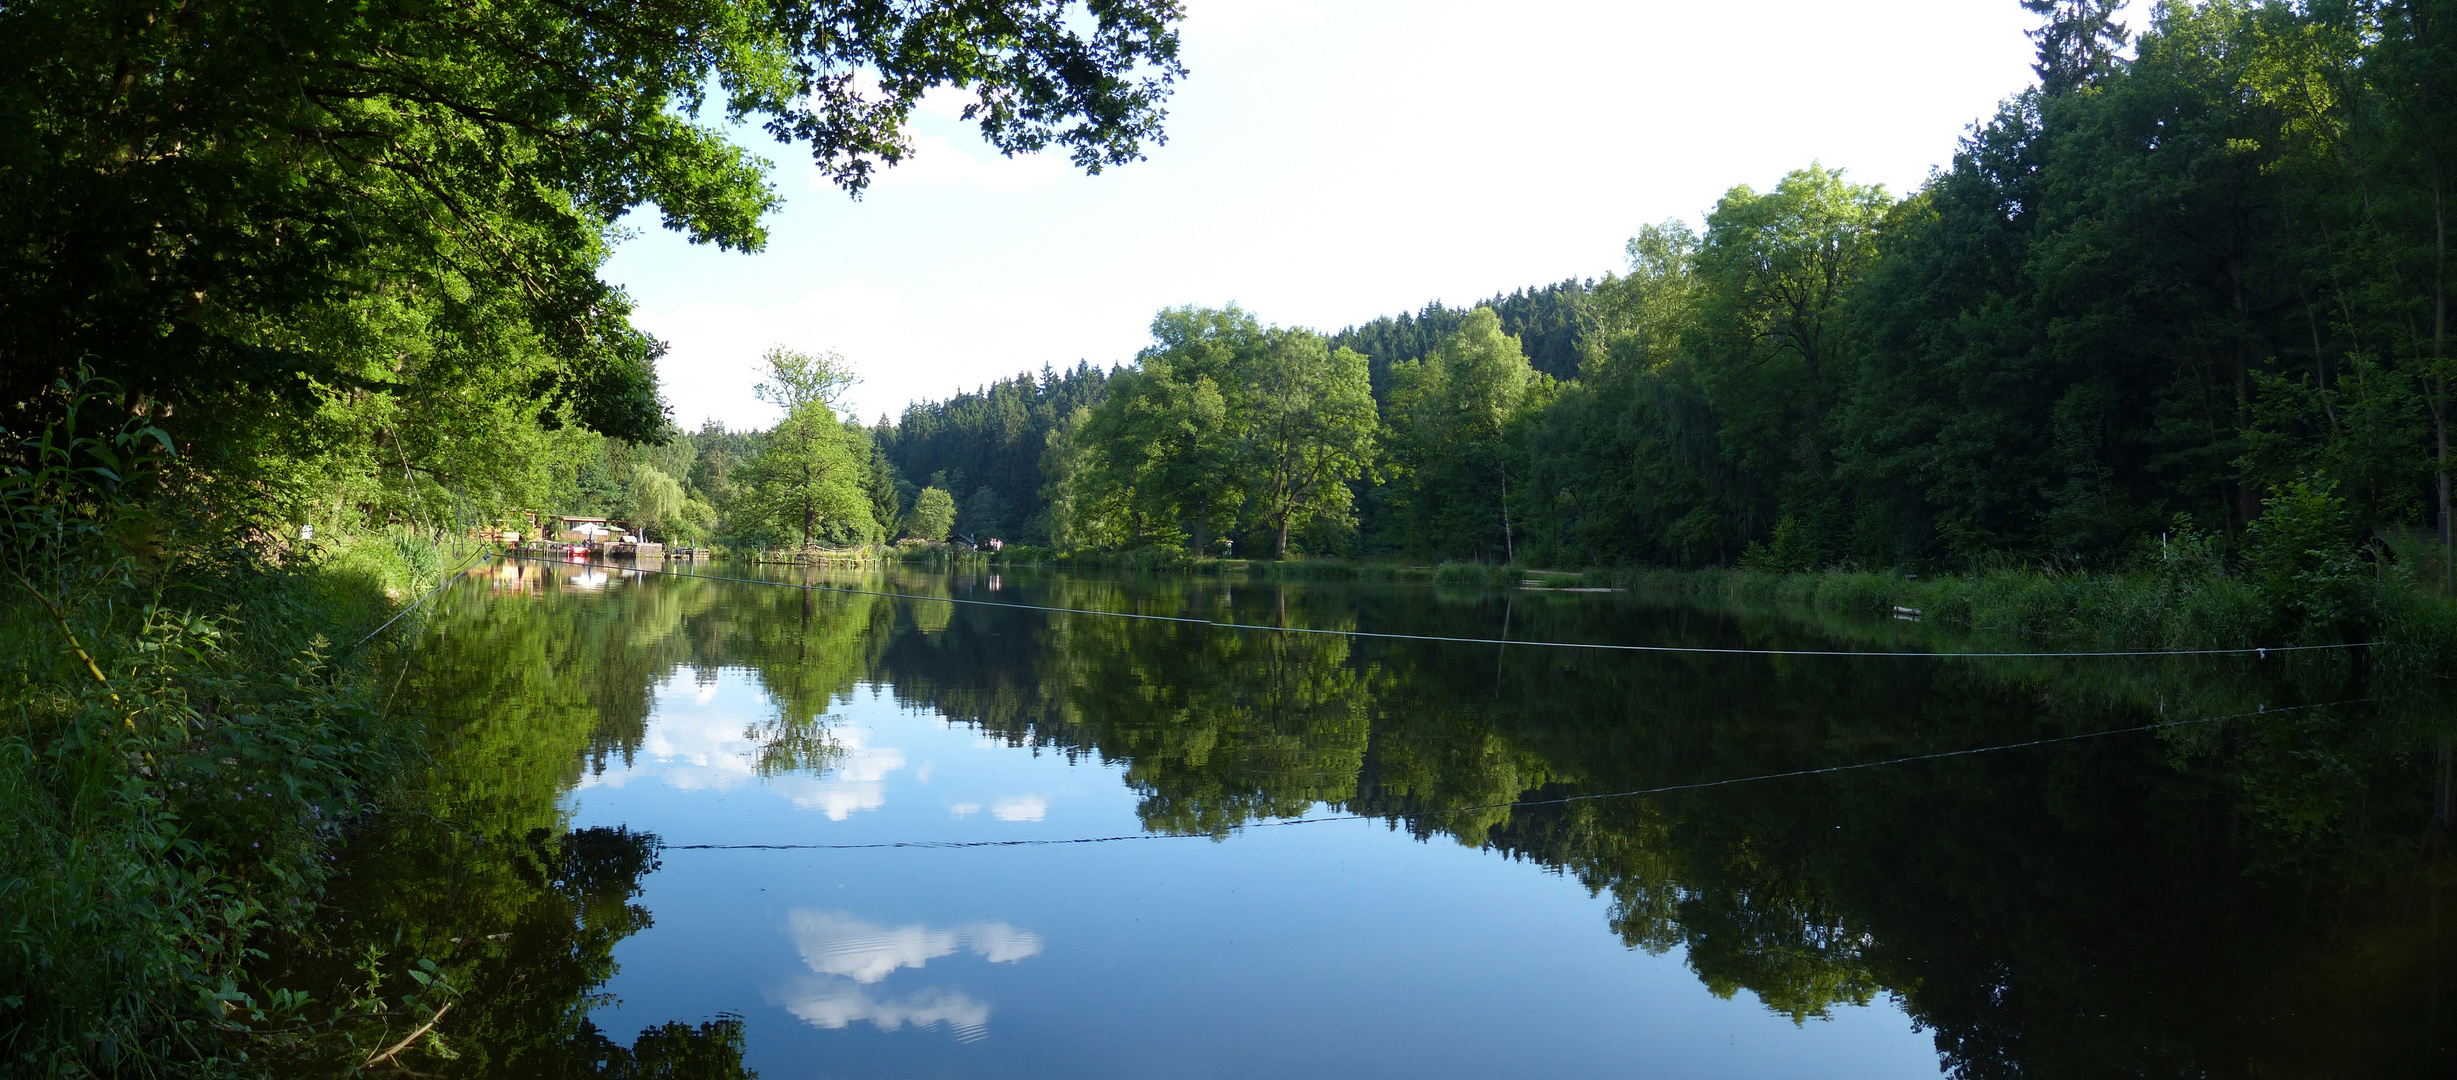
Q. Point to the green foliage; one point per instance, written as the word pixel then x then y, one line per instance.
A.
pixel 1479 574
pixel 1309 431
pixel 2173 285
pixel 995 438
pixel 1224 428
pixel 1552 323
pixel 181 751
pixel 797 381
pixel 1166 446
pixel 1794 891
pixel 809 480
pixel 934 514
pixel 1789 552
pixel 347 261
pixel 365 291
pixel 2301 562
pixel 655 504
pixel 1447 426
pixel 808 484
pixel 326 186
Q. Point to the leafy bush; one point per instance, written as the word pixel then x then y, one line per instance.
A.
pixel 2301 560
pixel 1790 551
pixel 170 773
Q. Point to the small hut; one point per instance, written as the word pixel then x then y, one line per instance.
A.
pixel 585 530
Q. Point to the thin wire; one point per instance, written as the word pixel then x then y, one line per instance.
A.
pixel 449 577
pixel 2258 651
pixel 1632 793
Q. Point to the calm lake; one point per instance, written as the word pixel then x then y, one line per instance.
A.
pixel 680 826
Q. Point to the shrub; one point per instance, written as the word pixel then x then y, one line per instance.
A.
pixel 170 776
pixel 2303 563
pixel 1788 552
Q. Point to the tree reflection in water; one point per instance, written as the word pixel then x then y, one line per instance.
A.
pixel 2252 897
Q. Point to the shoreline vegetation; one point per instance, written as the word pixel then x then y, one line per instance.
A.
pixel 189 741
pixel 2159 360
pixel 294 299
pixel 2143 610
pixel 164 901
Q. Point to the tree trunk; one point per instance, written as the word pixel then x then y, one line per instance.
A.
pixel 1509 544
pixel 1282 551
pixel 810 512
pixel 2441 479
pixel 2247 496
pixel 2439 361
pixel 2444 793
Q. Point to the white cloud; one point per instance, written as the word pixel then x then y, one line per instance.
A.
pixel 964 809
pixel 834 1005
pixel 1000 943
pixel 847 954
pixel 837 801
pixel 863 763
pixel 836 943
pixel 857 782
pixel 1020 808
pixel 695 742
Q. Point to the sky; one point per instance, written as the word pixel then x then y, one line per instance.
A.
pixel 1327 162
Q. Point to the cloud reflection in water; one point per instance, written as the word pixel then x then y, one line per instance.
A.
pixel 833 1005
pixel 847 954
pixel 1020 808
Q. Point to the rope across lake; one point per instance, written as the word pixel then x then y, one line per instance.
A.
pixel 2253 651
pixel 448 577
pixel 1523 803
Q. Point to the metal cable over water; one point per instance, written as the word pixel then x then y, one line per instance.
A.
pixel 449 577
pixel 2256 651
pixel 1632 793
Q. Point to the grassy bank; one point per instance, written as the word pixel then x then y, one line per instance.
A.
pixel 1295 569
pixel 2192 600
pixel 2093 611
pixel 191 723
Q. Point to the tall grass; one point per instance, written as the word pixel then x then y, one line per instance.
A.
pixel 179 750
pixel 173 808
pixel 1292 569
pixel 2143 611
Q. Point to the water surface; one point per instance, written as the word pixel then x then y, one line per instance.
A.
pixel 648 840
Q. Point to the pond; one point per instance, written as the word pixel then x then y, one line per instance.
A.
pixel 984 824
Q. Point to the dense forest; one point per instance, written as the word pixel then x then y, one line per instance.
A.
pixel 2148 297
pixel 2188 274
pixel 1548 321
pixel 295 303
pixel 986 448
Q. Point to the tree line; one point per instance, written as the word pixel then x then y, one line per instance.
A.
pixel 2148 297
pixel 289 294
